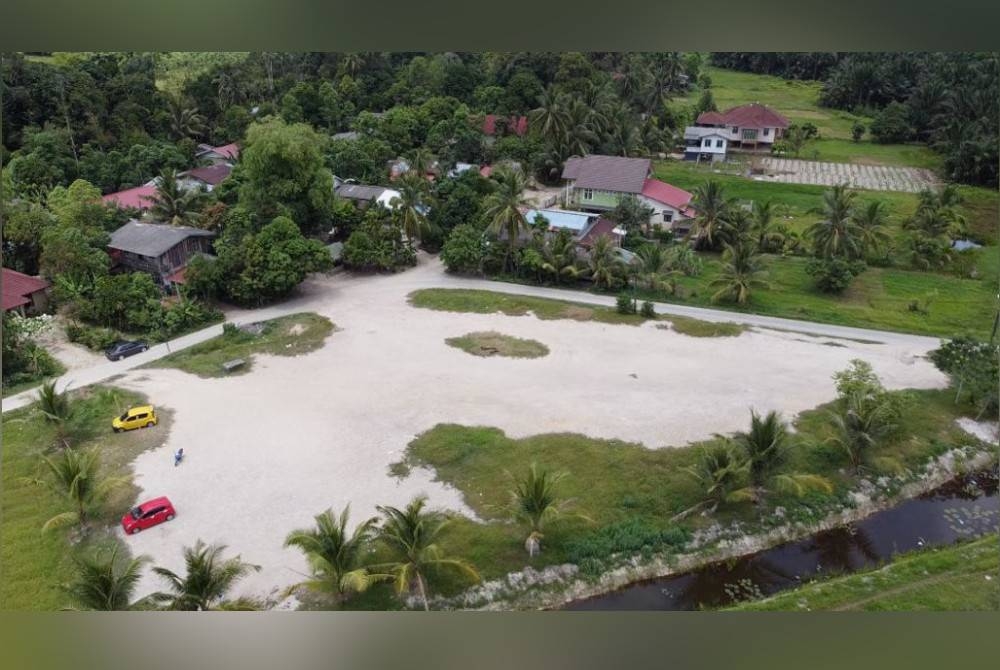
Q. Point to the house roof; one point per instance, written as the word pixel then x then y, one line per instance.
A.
pixel 152 239
pixel 231 150
pixel 601 227
pixel 693 132
pixel 712 119
pixel 515 124
pixel 359 191
pixel 347 135
pixel 608 173
pixel 678 198
pixel 561 218
pixel 17 287
pixel 754 115
pixel 140 197
pixel 212 174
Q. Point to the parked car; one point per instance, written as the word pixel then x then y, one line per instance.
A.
pixel 120 350
pixel 143 416
pixel 148 514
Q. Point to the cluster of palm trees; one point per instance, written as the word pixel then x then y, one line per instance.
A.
pixel 932 228
pixel 594 120
pixel 750 465
pixel 848 229
pixel 106 580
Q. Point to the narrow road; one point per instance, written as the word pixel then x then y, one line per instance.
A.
pixel 429 273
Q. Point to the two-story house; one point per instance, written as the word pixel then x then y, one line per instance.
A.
pixel 598 184
pixel 752 127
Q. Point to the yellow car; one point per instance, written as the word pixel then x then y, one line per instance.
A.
pixel 138 417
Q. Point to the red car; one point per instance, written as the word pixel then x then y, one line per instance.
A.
pixel 148 514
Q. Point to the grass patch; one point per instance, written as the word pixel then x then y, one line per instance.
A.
pixel 629 491
pixel 492 343
pixel 697 328
pixel 491 302
pixel 35 565
pixel 57 370
pixel 961 577
pixel 285 336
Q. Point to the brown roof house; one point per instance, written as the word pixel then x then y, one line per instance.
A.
pixel 159 249
pixel 23 293
pixel 751 127
pixel 598 184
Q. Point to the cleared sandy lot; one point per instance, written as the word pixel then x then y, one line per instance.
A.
pixel 268 450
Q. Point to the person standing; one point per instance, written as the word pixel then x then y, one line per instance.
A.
pixel 178 455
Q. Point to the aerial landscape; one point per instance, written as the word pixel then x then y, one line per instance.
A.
pixel 500 331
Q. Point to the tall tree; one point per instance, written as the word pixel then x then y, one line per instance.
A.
pixel 105 580
pixel 503 209
pixel 175 204
pixel 836 234
pixel 75 476
pixel 411 536
pixel 742 272
pixel 712 209
pixel 337 557
pixel 207 581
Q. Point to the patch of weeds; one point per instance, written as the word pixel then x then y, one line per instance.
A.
pixel 399 470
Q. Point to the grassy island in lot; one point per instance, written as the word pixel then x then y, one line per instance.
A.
pixel 497 344
pixel 285 336
pixel 630 492
pixel 36 564
pixel 962 577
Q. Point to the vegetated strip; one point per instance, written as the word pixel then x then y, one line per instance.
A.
pixel 492 343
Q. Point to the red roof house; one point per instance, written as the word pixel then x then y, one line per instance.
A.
pixel 140 197
pixel 747 125
pixel 22 291
pixel 667 194
pixel 516 125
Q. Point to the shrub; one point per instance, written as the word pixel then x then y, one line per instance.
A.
pixel 647 310
pixel 625 304
pixel 892 124
pixel 629 536
pixel 463 251
pixel 95 338
pixel 833 275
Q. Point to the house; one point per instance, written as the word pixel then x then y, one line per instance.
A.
pixel 23 293
pixel 461 168
pixel 585 227
pixel 494 125
pixel 705 144
pixel 159 249
pixel 227 153
pixel 400 166
pixel 748 127
pixel 363 195
pixel 140 197
pixel 598 184
pixel 207 177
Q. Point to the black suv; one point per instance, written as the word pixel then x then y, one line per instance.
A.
pixel 120 350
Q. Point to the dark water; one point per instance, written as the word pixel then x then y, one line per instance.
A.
pixel 966 507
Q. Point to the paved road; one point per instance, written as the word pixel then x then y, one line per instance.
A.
pixel 429 274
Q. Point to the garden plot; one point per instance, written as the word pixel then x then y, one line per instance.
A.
pixel 872 177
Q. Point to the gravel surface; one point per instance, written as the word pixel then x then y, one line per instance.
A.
pixel 266 451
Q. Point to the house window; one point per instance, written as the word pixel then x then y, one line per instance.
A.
pixel 708 143
pixel 736 129
pixel 588 194
pixel 718 144
pixel 668 216
pixel 767 131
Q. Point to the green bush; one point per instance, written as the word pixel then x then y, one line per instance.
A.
pixel 464 250
pixel 92 337
pixel 629 536
pixel 833 275
pixel 625 304
pixel 647 310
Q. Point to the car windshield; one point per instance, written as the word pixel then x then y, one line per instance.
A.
pixel 136 513
pixel 124 417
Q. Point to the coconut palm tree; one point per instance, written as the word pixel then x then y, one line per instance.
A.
pixel 766 449
pixel 742 271
pixel 411 535
pixel 421 161
pixel 870 223
pixel 185 121
pixel 75 476
pixel 57 408
pixel 604 266
pixel 174 204
pixel 652 268
pixel 412 205
pixel 559 256
pixel 713 208
pixel 721 472
pixel 534 501
pixel 549 119
pixel 503 209
pixel 859 426
pixel 207 581
pixel 335 556
pixel 768 235
pixel 836 234
pixel 105 582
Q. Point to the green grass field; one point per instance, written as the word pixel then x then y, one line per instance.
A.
pixel 35 565
pixel 497 344
pixel 964 577
pixel 799 102
pixel 286 336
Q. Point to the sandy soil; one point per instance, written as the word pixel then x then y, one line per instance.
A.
pixel 268 450
pixel 73 356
